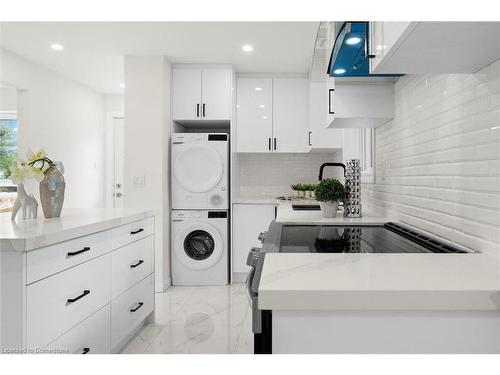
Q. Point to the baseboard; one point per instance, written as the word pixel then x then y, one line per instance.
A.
pixel 239 277
pixel 162 287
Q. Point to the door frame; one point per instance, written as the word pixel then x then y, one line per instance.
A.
pixel 111 116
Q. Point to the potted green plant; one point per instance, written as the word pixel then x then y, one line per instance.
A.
pixel 311 189
pixel 329 192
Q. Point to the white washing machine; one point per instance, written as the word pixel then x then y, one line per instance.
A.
pixel 200 247
pixel 200 171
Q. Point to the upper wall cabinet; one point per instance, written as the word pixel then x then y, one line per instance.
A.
pixel 321 114
pixel 272 115
pixel 201 93
pixel 432 47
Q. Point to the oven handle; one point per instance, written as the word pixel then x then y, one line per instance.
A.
pixel 256 313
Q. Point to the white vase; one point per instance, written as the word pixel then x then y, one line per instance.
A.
pixel 329 209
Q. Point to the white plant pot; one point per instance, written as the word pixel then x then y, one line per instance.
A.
pixel 329 209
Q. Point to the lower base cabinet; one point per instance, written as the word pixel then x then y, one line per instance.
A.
pixel 248 221
pixel 129 310
pixel 92 336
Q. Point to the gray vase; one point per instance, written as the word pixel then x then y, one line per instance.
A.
pixel 52 192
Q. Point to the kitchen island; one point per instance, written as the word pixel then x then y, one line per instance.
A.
pixel 81 283
pixel 342 288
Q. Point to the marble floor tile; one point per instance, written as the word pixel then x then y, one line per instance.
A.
pixel 201 320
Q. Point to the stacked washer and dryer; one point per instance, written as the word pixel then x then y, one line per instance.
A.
pixel 200 203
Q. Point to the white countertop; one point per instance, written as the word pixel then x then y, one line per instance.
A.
pixel 287 215
pixel 25 235
pixel 379 282
pixel 256 200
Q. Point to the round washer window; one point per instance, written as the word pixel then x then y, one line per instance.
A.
pixel 199 245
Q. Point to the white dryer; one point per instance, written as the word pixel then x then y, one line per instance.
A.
pixel 200 171
pixel 200 248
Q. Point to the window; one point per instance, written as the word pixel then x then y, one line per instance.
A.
pixel 8 149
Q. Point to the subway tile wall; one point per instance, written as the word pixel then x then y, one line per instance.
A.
pixel 438 161
pixel 270 175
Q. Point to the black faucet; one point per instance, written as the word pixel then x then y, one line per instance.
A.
pixel 329 165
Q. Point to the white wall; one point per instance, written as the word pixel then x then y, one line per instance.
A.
pixel 147 133
pixel 8 99
pixel 113 103
pixel 270 175
pixel 67 119
pixel 438 161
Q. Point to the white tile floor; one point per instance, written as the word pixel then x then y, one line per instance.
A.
pixel 198 320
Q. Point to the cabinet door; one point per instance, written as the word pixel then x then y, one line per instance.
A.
pixel 216 94
pixel 248 221
pixel 254 114
pixel 186 94
pixel 290 115
pixel 384 36
pixel 321 98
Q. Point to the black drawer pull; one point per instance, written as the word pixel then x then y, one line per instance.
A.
pixel 138 307
pixel 85 292
pixel 137 231
pixel 85 350
pixel 86 248
pixel 137 264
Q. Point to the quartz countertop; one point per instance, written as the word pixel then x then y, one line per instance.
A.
pixel 287 215
pixel 364 281
pixel 255 200
pixel 25 235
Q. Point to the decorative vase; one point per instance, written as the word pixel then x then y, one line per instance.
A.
pixel 329 209
pixel 52 192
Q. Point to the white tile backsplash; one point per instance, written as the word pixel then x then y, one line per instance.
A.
pixel 438 161
pixel 270 175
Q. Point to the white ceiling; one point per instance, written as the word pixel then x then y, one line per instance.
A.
pixel 93 52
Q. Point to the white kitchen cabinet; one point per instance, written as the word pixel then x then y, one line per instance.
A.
pixel 290 115
pixel 248 221
pixel 216 94
pixel 321 96
pixel 433 47
pixel 272 115
pixel 254 114
pixel 201 93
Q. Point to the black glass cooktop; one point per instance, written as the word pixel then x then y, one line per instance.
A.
pixel 390 238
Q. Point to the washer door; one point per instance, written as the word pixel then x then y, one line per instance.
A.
pixel 198 168
pixel 199 246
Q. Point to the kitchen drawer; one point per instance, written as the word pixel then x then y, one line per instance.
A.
pixel 92 336
pixel 130 309
pixel 59 257
pixel 130 264
pixel 125 234
pixel 60 302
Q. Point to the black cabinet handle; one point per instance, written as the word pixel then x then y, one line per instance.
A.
pixel 137 231
pixel 310 144
pixel 204 105
pixel 197 110
pixel 137 264
pixel 85 293
pixel 73 253
pixel 330 92
pixel 138 307
pixel 274 144
pixel 269 144
pixel 85 350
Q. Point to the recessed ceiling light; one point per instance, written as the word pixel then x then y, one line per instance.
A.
pixel 339 71
pixel 353 40
pixel 122 85
pixel 56 47
pixel 264 117
pixel 261 105
pixel 258 89
pixel 247 48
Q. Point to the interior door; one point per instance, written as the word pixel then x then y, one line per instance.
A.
pixel 216 94
pixel 254 114
pixel 118 156
pixel 186 94
pixel 290 115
